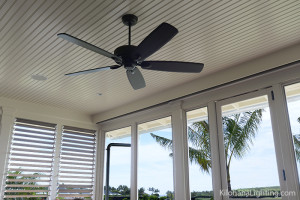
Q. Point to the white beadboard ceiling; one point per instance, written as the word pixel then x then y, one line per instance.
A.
pixel 218 33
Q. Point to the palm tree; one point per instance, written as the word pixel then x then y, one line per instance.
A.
pixel 297 144
pixel 239 131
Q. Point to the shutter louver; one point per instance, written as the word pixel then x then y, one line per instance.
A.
pixel 31 160
pixel 77 163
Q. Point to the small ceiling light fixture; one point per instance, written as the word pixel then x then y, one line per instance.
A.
pixel 38 77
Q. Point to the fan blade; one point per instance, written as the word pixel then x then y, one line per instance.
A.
pixel 173 66
pixel 88 46
pixel 136 78
pixel 92 70
pixel 156 39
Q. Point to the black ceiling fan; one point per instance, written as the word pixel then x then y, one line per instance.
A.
pixel 131 56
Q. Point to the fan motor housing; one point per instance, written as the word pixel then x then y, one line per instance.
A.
pixel 129 55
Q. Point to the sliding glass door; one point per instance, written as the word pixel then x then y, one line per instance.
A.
pixel 249 148
pixel 117 165
pixel 292 93
pixel 155 160
pixel 200 161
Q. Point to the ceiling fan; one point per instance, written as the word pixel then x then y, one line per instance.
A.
pixel 131 57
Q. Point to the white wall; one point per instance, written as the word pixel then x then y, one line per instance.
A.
pixel 47 113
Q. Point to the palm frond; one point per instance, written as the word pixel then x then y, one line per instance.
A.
pixel 297 146
pixel 231 129
pixel 296 139
pixel 242 139
pixel 201 158
pixel 164 142
pixel 198 135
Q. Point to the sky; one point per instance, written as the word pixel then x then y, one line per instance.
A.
pixel 257 169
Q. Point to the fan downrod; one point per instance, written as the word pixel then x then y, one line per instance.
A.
pixel 129 20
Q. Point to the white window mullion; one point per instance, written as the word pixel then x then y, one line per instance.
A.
pixel 7 123
pixel 54 178
pixel 180 149
pixel 134 162
pixel 214 143
pixel 99 182
pixel 222 159
pixel 289 165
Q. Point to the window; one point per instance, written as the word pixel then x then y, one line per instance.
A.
pixel 199 154
pixel 32 171
pixel 250 157
pixel 293 101
pixel 31 160
pixel 155 160
pixel 118 143
pixel 77 163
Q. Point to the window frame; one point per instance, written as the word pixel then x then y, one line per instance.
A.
pixel 286 136
pixel 275 131
pixel 209 98
pixel 102 163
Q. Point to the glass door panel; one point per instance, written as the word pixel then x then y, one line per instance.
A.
pixel 250 159
pixel 293 101
pixel 199 154
pixel 155 160
pixel 118 144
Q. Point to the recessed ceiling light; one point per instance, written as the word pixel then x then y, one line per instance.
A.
pixel 38 77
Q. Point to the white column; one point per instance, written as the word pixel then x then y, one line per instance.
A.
pixel 214 143
pixel 180 150
pixel 222 158
pixel 134 162
pixel 7 123
pixel 99 186
pixel 54 177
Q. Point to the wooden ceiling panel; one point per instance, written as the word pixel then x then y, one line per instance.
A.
pixel 220 34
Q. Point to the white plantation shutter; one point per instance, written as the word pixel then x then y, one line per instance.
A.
pixel 77 163
pixel 31 160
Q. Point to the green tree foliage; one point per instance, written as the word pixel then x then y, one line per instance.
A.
pixel 153 197
pixel 170 194
pixel 239 132
pixel 145 196
pixel 153 190
pixel 21 177
pixel 141 191
pixel 120 190
pixel 123 190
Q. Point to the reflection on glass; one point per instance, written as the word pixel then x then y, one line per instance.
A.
pixel 120 156
pixel 155 163
pixel 293 101
pixel 249 149
pixel 199 154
